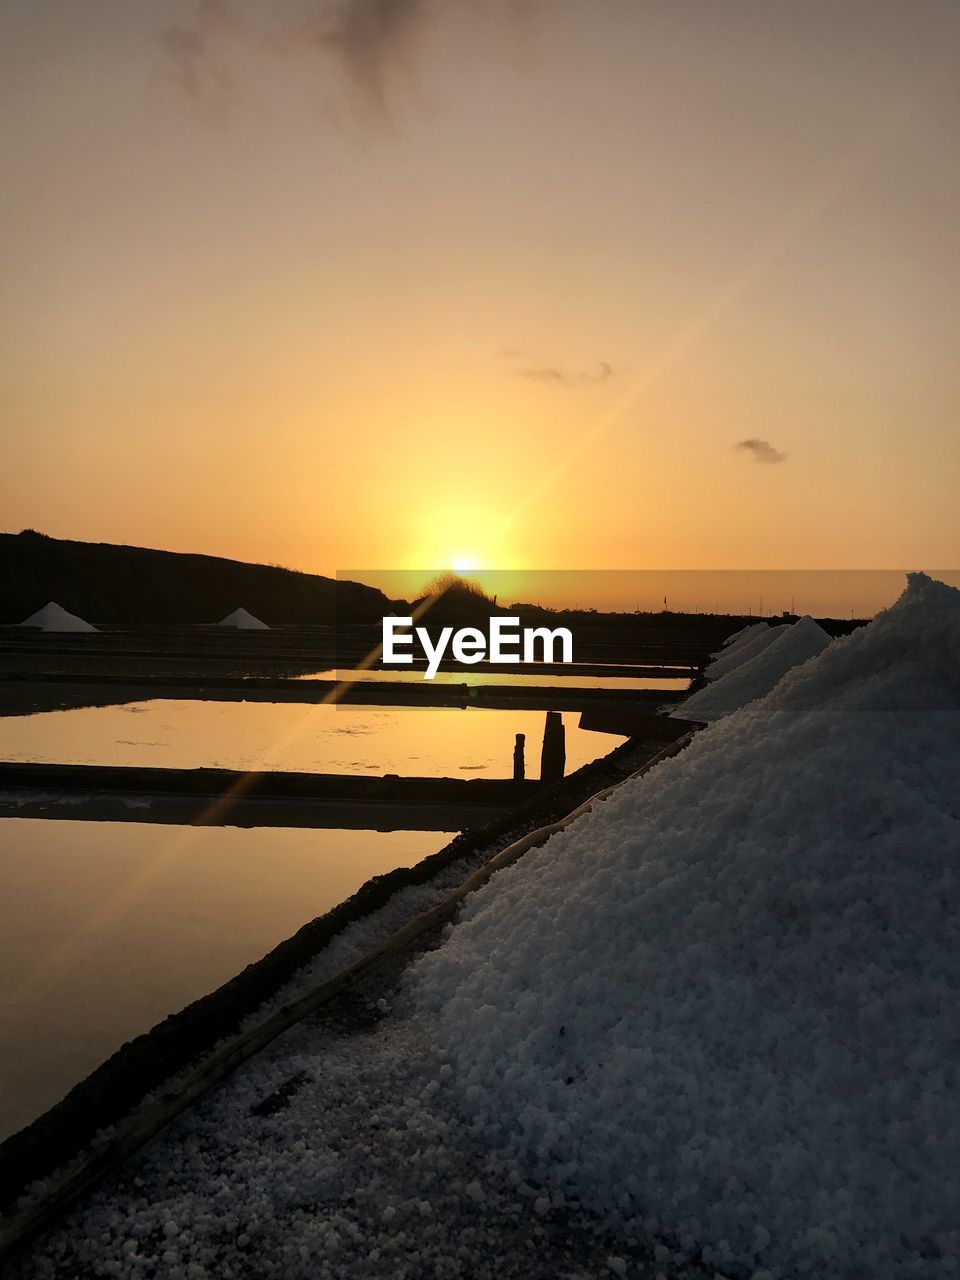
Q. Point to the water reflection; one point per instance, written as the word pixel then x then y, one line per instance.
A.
pixel 105 928
pixel 189 734
pixel 660 684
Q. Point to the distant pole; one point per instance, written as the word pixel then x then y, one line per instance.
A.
pixel 553 753
pixel 519 767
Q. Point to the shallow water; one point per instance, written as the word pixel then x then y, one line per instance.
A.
pixel 671 683
pixel 189 734
pixel 105 928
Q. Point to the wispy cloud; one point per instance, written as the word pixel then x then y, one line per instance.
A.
pixel 761 450
pixel 191 50
pixel 371 38
pixel 557 376
pixel 371 42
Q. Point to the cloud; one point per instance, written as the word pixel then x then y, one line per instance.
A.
pixel 371 38
pixel 369 41
pixel 762 450
pixel 556 376
pixel 191 51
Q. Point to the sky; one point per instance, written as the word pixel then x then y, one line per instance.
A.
pixel 574 284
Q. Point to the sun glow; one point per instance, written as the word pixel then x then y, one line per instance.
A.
pixel 464 564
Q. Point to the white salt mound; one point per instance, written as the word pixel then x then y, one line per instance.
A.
pixel 243 621
pixel 741 653
pixel 726 1002
pixel 52 617
pixel 739 637
pixel 755 677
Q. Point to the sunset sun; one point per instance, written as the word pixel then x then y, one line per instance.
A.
pixel 464 564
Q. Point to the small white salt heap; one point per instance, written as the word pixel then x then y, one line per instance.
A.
pixel 738 637
pixel 52 617
pixel 725 1003
pixel 243 621
pixel 740 653
pixel 755 677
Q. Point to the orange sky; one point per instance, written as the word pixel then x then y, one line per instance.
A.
pixel 504 283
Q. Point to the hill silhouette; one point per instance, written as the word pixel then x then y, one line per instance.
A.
pixel 108 583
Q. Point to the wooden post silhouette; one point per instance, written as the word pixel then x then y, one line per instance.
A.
pixel 519 767
pixel 553 754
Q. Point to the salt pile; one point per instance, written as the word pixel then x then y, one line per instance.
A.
pixel 755 677
pixel 740 653
pixel 725 1003
pixel 52 617
pixel 738 637
pixel 243 621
